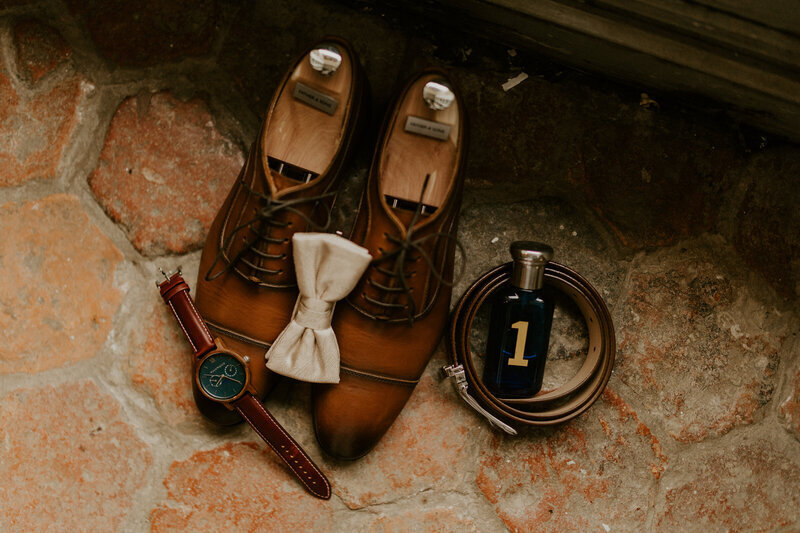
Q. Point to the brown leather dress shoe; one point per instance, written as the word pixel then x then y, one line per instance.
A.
pixel 246 285
pixel 389 326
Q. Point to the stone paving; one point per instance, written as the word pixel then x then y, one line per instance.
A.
pixel 122 125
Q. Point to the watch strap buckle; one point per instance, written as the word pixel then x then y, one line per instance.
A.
pixel 168 274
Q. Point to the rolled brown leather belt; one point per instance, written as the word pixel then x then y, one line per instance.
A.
pixel 552 407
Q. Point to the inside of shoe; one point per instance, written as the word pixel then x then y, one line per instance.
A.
pixel 306 126
pixel 422 143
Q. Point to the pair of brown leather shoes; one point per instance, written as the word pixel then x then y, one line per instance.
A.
pixel 389 326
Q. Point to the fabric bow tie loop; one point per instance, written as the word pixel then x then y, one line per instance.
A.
pixel 328 267
pixel 313 313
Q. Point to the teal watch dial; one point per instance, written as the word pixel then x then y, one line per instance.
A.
pixel 222 376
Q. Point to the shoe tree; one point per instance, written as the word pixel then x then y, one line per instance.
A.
pixel 409 157
pixel 302 135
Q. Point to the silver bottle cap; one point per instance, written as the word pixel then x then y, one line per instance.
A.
pixel 530 259
pixel 438 94
pixel 325 59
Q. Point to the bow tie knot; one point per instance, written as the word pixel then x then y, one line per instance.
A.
pixel 313 313
pixel 327 268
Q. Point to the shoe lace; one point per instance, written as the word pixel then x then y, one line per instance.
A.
pixel 400 254
pixel 266 216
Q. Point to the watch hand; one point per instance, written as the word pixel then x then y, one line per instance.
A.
pixel 230 378
pixel 215 379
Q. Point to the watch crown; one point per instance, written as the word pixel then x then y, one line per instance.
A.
pixel 246 359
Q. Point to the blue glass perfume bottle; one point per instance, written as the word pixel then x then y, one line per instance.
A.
pixel 519 326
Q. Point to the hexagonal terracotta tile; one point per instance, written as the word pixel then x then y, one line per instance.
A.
pixel 57 292
pixel 237 487
pixel 164 171
pixel 697 342
pixel 597 471
pixel 69 461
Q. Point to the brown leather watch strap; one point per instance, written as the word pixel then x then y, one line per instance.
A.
pixel 559 405
pixel 284 445
pixel 175 293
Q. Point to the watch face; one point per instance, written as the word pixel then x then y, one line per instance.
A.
pixel 222 376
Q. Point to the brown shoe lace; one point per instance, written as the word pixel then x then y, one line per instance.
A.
pixel 266 217
pixel 401 256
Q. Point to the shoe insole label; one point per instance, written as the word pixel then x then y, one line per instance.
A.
pixel 428 128
pixel 315 99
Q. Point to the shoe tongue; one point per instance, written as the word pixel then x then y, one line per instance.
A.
pixel 405 216
pixel 282 182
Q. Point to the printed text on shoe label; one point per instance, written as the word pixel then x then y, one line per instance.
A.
pixel 315 99
pixel 428 128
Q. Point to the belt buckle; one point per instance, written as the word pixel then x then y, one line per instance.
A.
pixel 460 381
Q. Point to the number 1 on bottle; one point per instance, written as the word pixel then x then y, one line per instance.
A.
pixel 519 349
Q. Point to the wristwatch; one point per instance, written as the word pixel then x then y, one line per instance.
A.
pixel 223 376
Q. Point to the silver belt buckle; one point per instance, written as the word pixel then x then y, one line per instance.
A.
pixel 460 381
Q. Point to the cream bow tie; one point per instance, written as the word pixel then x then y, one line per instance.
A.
pixel 327 268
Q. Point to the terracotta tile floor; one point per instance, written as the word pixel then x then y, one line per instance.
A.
pixel 121 129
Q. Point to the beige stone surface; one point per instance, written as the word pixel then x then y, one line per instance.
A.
pixel 747 487
pixel 790 406
pixel 601 468
pixel 116 153
pixel 36 123
pixel 161 365
pixel 697 342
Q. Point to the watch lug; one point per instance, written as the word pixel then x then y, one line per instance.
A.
pixel 220 345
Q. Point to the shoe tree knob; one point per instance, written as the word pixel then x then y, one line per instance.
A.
pixel 325 59
pixel 438 94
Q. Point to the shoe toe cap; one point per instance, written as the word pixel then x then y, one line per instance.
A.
pixel 352 416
